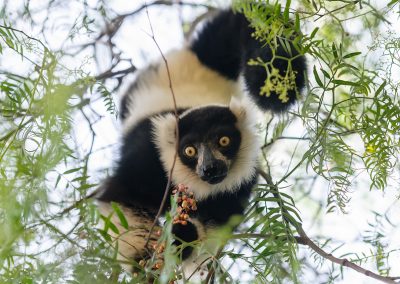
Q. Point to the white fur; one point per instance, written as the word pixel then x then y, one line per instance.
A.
pixel 193 85
pixel 242 168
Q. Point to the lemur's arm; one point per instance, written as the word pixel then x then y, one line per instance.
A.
pixel 225 45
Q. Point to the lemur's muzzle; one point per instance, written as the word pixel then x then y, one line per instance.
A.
pixel 209 168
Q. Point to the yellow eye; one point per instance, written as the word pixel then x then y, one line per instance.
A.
pixel 190 151
pixel 224 141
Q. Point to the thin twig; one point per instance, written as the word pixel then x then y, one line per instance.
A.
pixel 337 9
pixel 78 202
pixel 283 138
pixel 198 267
pixel 167 187
pixel 211 272
pixel 26 35
pixel 109 73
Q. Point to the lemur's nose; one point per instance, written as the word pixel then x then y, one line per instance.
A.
pixel 211 170
pixel 214 172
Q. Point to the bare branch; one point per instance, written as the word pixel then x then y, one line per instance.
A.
pixel 110 74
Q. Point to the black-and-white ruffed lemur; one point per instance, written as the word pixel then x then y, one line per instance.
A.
pixel 215 90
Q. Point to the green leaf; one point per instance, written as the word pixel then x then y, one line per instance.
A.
pixel 108 224
pixel 268 199
pixel 297 22
pixel 120 215
pixel 326 74
pixel 286 11
pixel 288 208
pixel 87 186
pixel 313 33
pixel 72 171
pixel 334 51
pixel 105 235
pixel 347 83
pixel 393 2
pixel 349 55
pixel 315 5
pixel 57 181
pixel 317 79
pixel 379 90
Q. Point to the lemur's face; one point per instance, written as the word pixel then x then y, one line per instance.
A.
pixel 209 142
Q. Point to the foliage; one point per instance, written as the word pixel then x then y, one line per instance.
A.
pixel 343 139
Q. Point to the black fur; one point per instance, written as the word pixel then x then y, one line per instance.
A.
pixel 225 45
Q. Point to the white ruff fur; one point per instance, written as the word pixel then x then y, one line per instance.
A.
pixel 243 167
pixel 193 85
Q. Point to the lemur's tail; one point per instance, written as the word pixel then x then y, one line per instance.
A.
pixel 274 75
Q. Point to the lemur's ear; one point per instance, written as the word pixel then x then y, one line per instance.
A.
pixel 238 107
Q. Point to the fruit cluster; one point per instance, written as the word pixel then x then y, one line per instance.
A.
pixel 185 205
pixel 185 202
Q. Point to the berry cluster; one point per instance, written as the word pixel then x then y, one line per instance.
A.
pixel 158 248
pixel 186 203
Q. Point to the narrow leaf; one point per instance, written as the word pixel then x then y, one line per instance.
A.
pixel 120 215
pixel 319 82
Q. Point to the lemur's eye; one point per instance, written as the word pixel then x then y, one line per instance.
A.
pixel 190 151
pixel 224 141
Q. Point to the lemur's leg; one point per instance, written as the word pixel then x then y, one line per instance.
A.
pixel 131 240
pixel 186 233
pixel 225 45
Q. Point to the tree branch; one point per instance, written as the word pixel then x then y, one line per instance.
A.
pixel 110 74
pixel 308 242
pixel 299 240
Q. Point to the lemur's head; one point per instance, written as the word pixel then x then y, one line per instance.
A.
pixel 209 142
pixel 217 150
